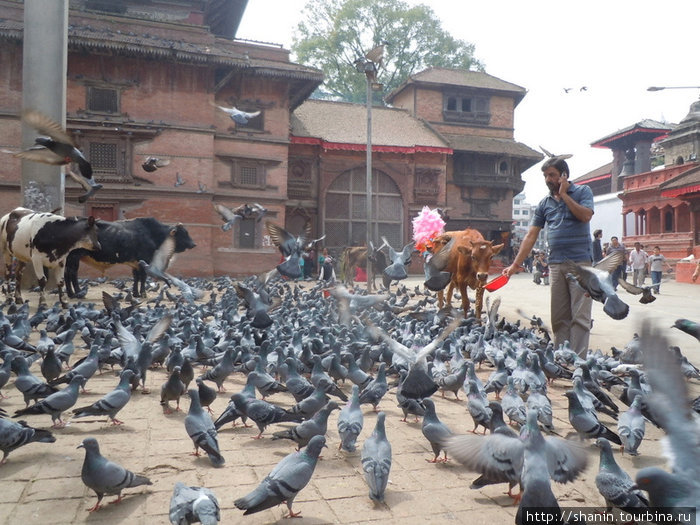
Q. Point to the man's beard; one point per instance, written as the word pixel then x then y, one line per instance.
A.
pixel 553 188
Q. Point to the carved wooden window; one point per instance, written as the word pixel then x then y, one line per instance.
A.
pixel 248 174
pixel 102 100
pixel 107 156
pixel 467 108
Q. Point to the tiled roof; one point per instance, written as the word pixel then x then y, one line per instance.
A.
pixel 460 78
pixel 606 169
pixel 492 145
pixel 684 180
pixel 341 122
pixel 647 125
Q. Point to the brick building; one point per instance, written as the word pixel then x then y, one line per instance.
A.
pixel 144 80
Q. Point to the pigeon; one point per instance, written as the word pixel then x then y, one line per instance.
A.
pixel 647 295
pixel 285 481
pixel 172 390
pixel 56 403
pixel 538 402
pixel 104 476
pixel 376 460
pixel 596 280
pixel 151 164
pixel 375 390
pixel 244 211
pixel 689 327
pixel 6 372
pixel 207 395
pixel 50 365
pixel 193 505
pixel 201 430
pixel 670 407
pixel 17 434
pixel 179 181
pixel 262 412
pixel 453 382
pixel 585 423
pixel 614 484
pixel 513 405
pixel 85 368
pixel 350 421
pixel 238 116
pixel 497 379
pixel 631 427
pixel 224 368
pixel 290 247
pixel 89 185
pixel 435 431
pixel 308 406
pixel 303 432
pixel 396 270
pixel 32 388
pixel 112 403
pixel 505 458
pixel 296 384
pixel 478 409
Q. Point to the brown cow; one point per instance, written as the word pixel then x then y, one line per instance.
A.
pixel 356 256
pixel 468 261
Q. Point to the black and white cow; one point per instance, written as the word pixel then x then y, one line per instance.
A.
pixel 128 242
pixel 44 240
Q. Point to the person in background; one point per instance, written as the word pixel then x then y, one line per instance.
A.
pixel 326 272
pixel 696 273
pixel 566 212
pixel 541 270
pixel 617 246
pixel 597 248
pixel 656 267
pixel 638 263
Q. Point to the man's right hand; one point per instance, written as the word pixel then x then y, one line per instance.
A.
pixel 510 270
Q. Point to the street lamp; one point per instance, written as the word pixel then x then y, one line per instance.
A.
pixel 363 65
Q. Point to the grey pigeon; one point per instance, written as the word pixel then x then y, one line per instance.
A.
pixel 396 270
pixel 207 395
pixel 585 423
pixel 151 164
pixel 262 412
pixel 193 505
pixel 201 430
pixel 478 409
pixel 497 379
pixel 407 404
pixel 303 432
pixel 32 387
pixel 596 280
pixel 86 368
pixel 50 365
pixel 513 405
pixel 104 476
pixel 111 403
pixel 221 370
pixel 56 403
pixel 453 382
pixel 375 390
pixel 670 406
pixel 435 431
pixel 503 458
pixel 285 481
pixel 542 406
pixel 238 116
pixel 631 427
pixel 172 390
pixel 17 434
pixel 307 407
pixel 614 484
pixel 376 460
pixel 350 421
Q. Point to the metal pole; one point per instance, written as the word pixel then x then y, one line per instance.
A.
pixel 44 68
pixel 370 269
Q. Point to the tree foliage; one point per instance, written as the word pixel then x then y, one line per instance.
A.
pixel 333 34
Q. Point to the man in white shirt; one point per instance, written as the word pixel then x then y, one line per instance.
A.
pixel 638 262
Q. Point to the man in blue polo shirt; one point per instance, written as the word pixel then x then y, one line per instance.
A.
pixel 567 212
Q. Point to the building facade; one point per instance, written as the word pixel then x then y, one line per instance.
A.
pixel 145 79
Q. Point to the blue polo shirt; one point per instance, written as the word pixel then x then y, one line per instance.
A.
pixel 568 238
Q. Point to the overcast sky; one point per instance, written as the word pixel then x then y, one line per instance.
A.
pixel 615 48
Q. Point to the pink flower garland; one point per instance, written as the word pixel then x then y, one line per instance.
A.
pixel 426 226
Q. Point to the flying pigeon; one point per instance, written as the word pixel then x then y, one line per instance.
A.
pixel 238 116
pixel 193 505
pixel 285 481
pixel 179 181
pixel 151 164
pixel 244 211
pixel 104 476
pixel 89 185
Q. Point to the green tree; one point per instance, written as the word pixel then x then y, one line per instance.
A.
pixel 333 34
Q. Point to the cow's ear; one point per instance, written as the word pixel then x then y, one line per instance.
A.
pixel 464 250
pixel 498 248
pixel 91 221
pixel 173 231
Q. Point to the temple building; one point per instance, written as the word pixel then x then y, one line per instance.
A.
pixel 145 79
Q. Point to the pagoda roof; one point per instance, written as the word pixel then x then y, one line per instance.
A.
pixel 683 184
pixel 646 129
pixel 440 77
pixel 496 146
pixel 603 172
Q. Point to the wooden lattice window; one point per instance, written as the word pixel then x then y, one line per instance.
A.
pixel 103 157
pixel 102 100
pixel 248 174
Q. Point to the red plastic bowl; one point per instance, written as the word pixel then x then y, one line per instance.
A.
pixel 496 283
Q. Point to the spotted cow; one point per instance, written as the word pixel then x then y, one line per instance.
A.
pixel 44 240
pixel 467 260
pixel 128 242
pixel 356 257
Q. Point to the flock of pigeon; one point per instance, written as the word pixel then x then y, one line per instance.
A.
pixel 318 353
